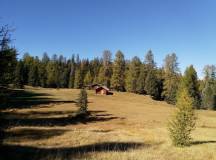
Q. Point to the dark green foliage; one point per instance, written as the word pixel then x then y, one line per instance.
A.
pixel 82 102
pixel 170 88
pixel 72 72
pixel 133 75
pixel 171 78
pixel 18 80
pixel 33 75
pixel 7 57
pixel 190 81
pixel 118 77
pixel 209 95
pixel 78 79
pixel 149 60
pixel 141 79
pixel 42 74
pixel 51 74
pixel 183 121
pixel 107 68
pixel 88 78
pixel 152 85
pixel 43 71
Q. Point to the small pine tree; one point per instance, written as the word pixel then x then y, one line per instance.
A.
pixel 183 121
pixel 82 102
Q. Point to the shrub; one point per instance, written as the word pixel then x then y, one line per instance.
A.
pixel 183 121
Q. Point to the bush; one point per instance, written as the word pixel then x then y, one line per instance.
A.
pixel 183 121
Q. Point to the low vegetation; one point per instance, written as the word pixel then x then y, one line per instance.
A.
pixel 183 121
pixel 121 126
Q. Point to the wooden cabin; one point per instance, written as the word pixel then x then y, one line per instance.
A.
pixel 103 90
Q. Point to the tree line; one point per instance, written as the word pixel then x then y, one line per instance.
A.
pixel 134 75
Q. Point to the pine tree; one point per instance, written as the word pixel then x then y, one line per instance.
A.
pixel 171 74
pixel 78 79
pixel 141 79
pixel 42 70
pixel 209 95
pixel 107 67
pixel 50 69
pixel 151 85
pixel 133 75
pixel 101 76
pixel 72 72
pixel 88 78
pixel 151 80
pixel 82 102
pixel 7 57
pixel 27 62
pixel 118 77
pixel 149 60
pixel 191 83
pixel 42 74
pixel 184 119
pixel 18 80
pixel 33 75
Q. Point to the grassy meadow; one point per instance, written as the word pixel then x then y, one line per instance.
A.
pixel 123 126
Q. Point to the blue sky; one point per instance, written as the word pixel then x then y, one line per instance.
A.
pixel 87 27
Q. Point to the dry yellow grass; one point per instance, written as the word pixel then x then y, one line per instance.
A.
pixel 125 126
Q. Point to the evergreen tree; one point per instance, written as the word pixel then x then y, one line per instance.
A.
pixel 151 85
pixel 118 77
pixel 209 89
pixel 33 78
pixel 171 74
pixel 7 57
pixel 107 67
pixel 151 81
pixel 27 62
pixel 191 83
pixel 88 78
pixel 149 60
pixel 43 71
pixel 18 80
pixel 78 79
pixel 82 102
pixel 101 76
pixel 72 72
pixel 209 96
pixel 141 79
pixel 210 72
pixel 51 74
pixel 43 74
pixel 184 119
pixel 133 74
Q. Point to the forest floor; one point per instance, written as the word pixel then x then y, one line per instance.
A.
pixel 121 126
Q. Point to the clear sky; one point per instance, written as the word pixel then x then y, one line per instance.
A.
pixel 87 27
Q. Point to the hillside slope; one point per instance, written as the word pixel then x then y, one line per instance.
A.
pixel 121 126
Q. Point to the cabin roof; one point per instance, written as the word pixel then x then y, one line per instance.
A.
pixel 102 87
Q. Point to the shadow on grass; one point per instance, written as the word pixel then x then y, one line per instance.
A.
pixel 24 134
pixel 202 142
pixel 17 152
pixel 26 99
pixel 13 119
